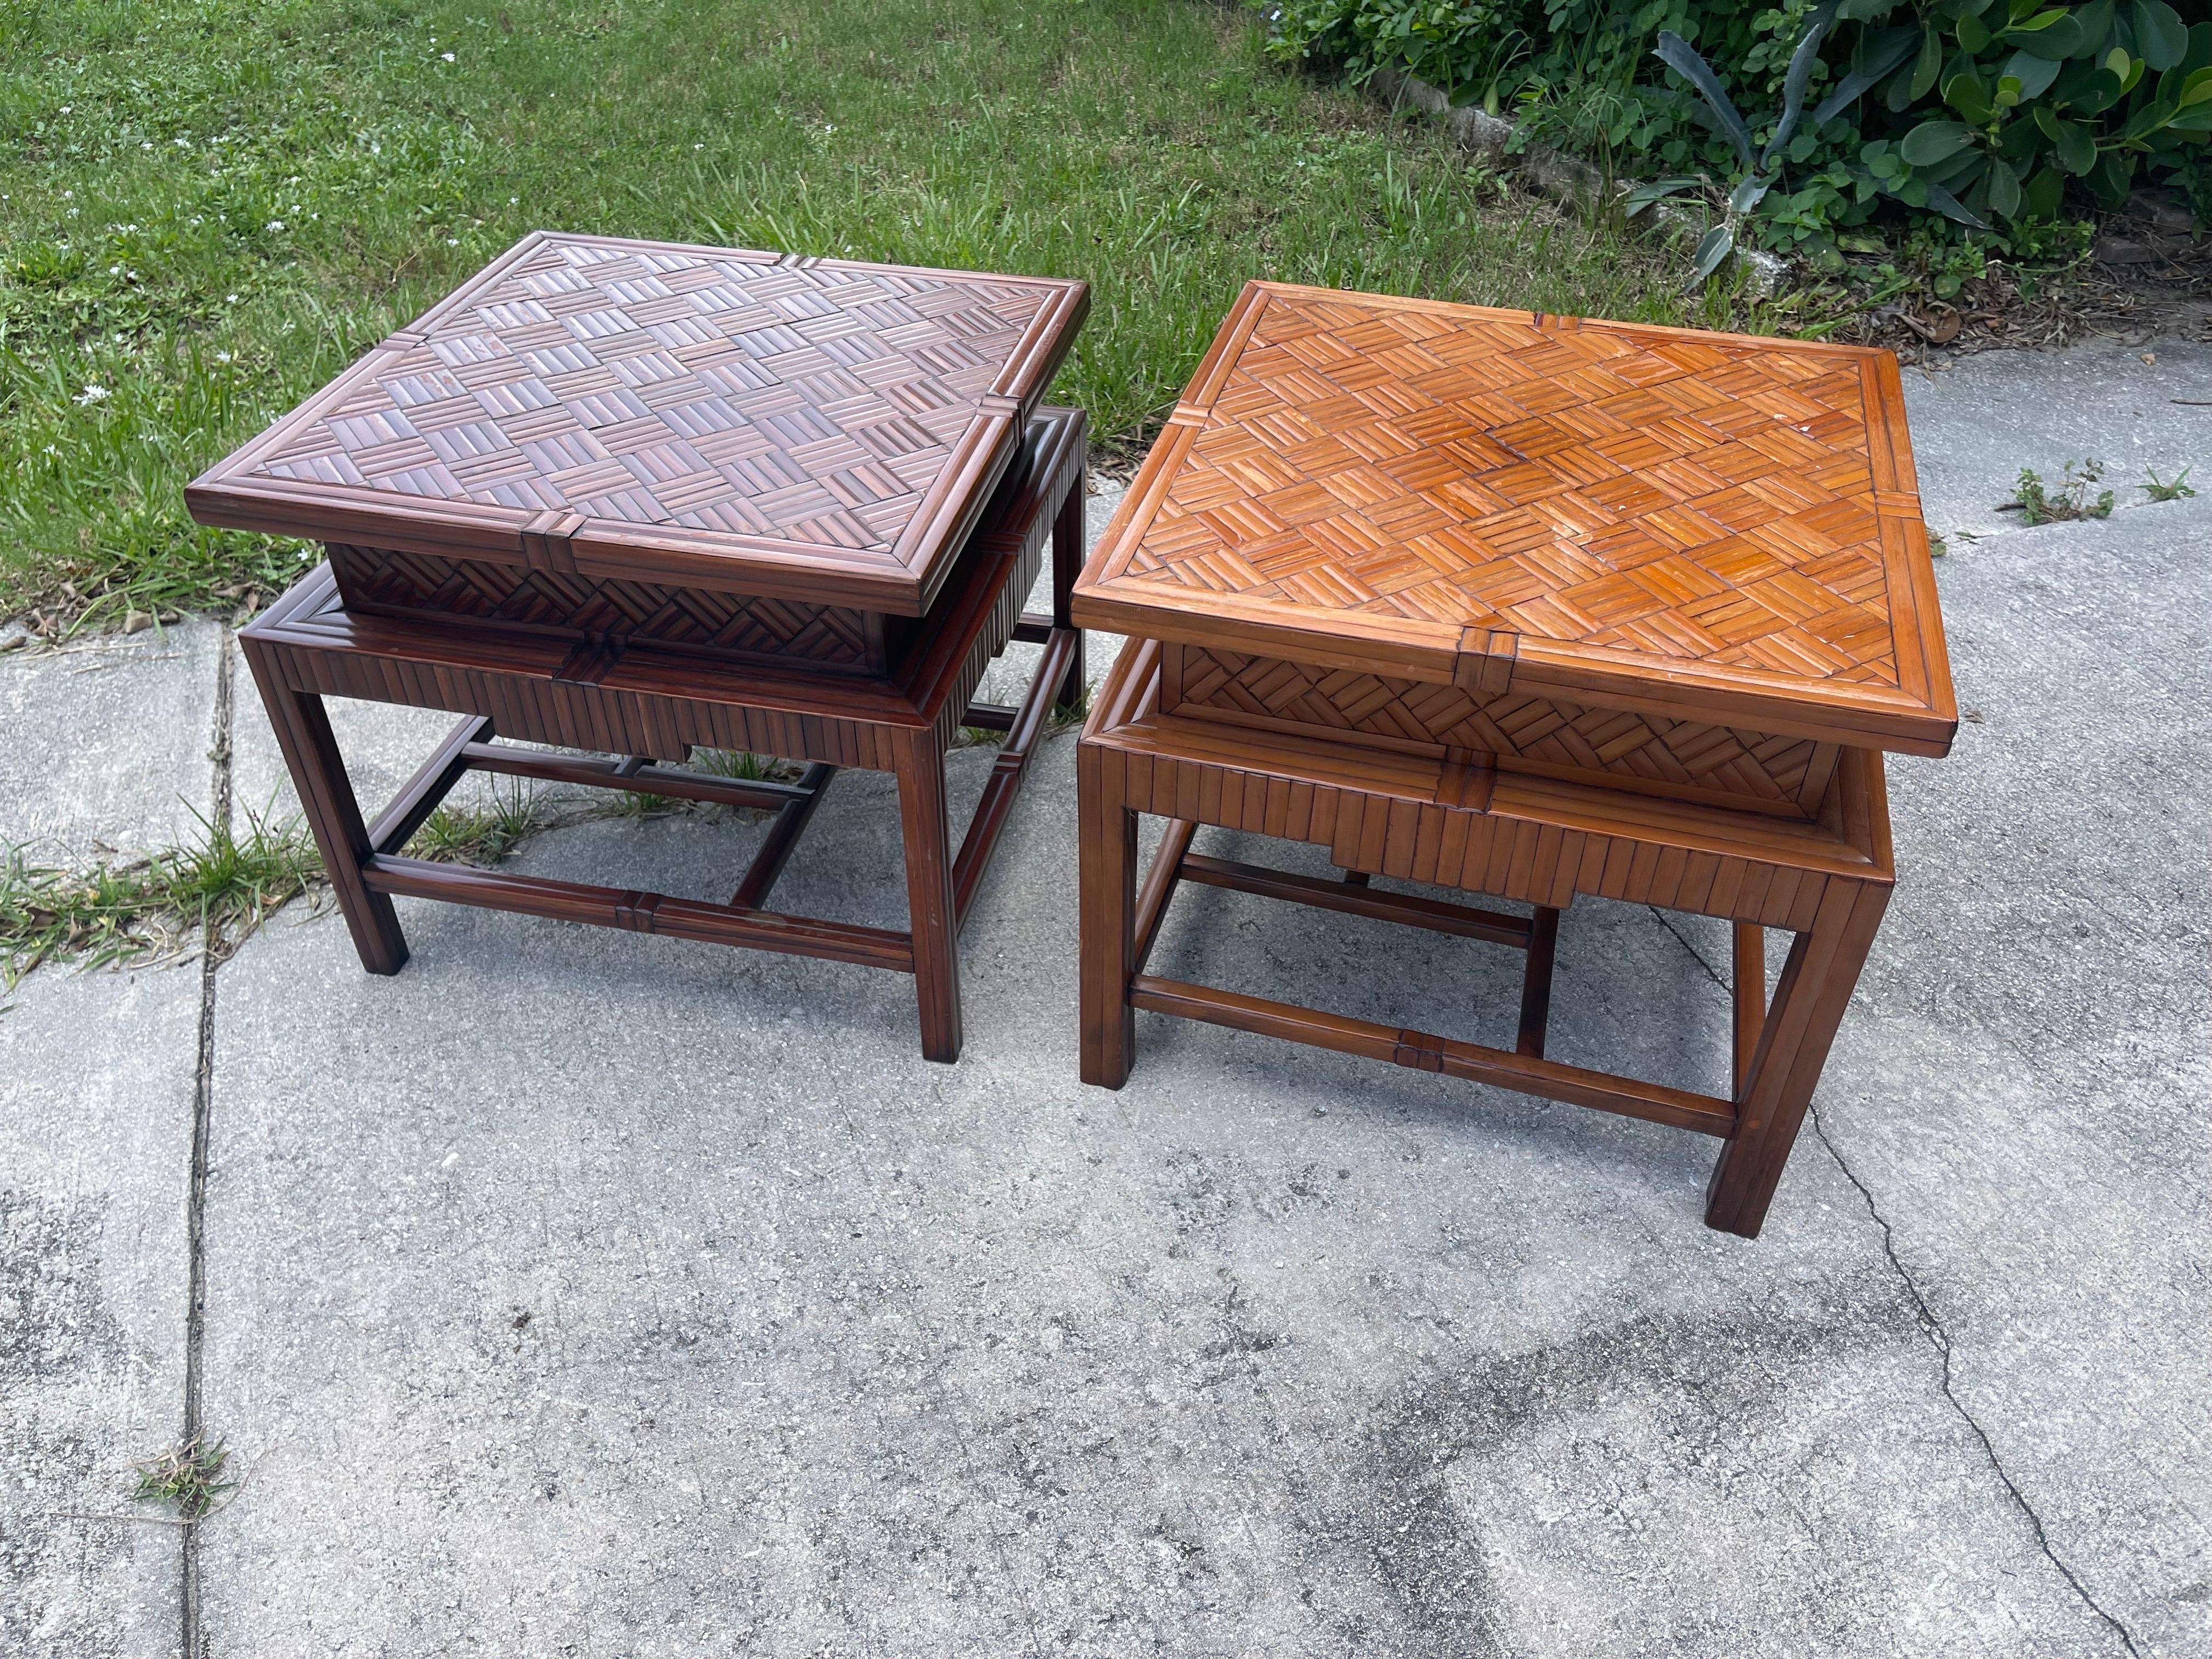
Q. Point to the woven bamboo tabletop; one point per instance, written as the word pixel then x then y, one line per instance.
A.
pixel 1711 525
pixel 822 430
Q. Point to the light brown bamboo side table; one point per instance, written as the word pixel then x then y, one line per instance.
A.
pixel 638 498
pixel 1530 606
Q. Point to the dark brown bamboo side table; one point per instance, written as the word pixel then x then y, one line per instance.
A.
pixel 1530 606
pixel 638 498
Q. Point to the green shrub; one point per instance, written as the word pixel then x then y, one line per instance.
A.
pixel 1996 116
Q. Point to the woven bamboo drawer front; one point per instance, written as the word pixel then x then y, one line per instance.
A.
pixel 1700 529
pixel 1680 760
pixel 590 414
pixel 377 581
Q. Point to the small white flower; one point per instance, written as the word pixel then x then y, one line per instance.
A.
pixel 115 270
pixel 230 298
pixel 698 147
pixel 65 109
pixel 448 55
pixel 183 143
pixel 513 201
pixel 276 224
pixel 453 241
pixel 67 194
pixel 92 394
pixel 223 356
pixel 147 144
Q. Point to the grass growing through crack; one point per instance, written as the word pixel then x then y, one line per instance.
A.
pixel 207 207
pixel 2167 490
pixel 187 1478
pixel 222 884
pixel 478 835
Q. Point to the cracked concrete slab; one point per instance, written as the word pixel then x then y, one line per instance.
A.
pixel 2023 1088
pixel 728 1313
pixel 109 742
pixel 1976 423
pixel 96 1081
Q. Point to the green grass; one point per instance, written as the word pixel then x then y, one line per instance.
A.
pixel 482 834
pixel 222 885
pixel 207 209
pixel 188 1479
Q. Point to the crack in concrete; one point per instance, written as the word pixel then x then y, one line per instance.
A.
pixel 1938 1336
pixel 1941 1339
pixel 219 815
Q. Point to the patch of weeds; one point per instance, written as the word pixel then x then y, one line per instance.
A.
pixel 478 835
pixel 2038 503
pixel 2164 490
pixel 741 764
pixel 224 885
pixel 187 1478
pixel 1937 546
pixel 1074 714
pixel 636 804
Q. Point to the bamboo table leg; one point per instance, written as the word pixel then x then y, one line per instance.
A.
pixel 310 755
pixel 1067 566
pixel 1817 980
pixel 933 921
pixel 1107 945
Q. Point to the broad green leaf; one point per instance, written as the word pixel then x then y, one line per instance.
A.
pixel 2004 191
pixel 2147 120
pixel 2099 92
pixel 2047 35
pixel 2093 28
pixel 2034 74
pixel 1854 85
pixel 1972 35
pixel 2195 90
pixel 1966 94
pixel 2076 148
pixel 1748 194
pixel 2047 193
pixel 2200 49
pixel 1951 208
pixel 1935 141
pixel 2160 35
pixel 1930 66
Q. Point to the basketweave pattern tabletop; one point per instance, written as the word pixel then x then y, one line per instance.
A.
pixel 1691 499
pixel 823 429
pixel 649 386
